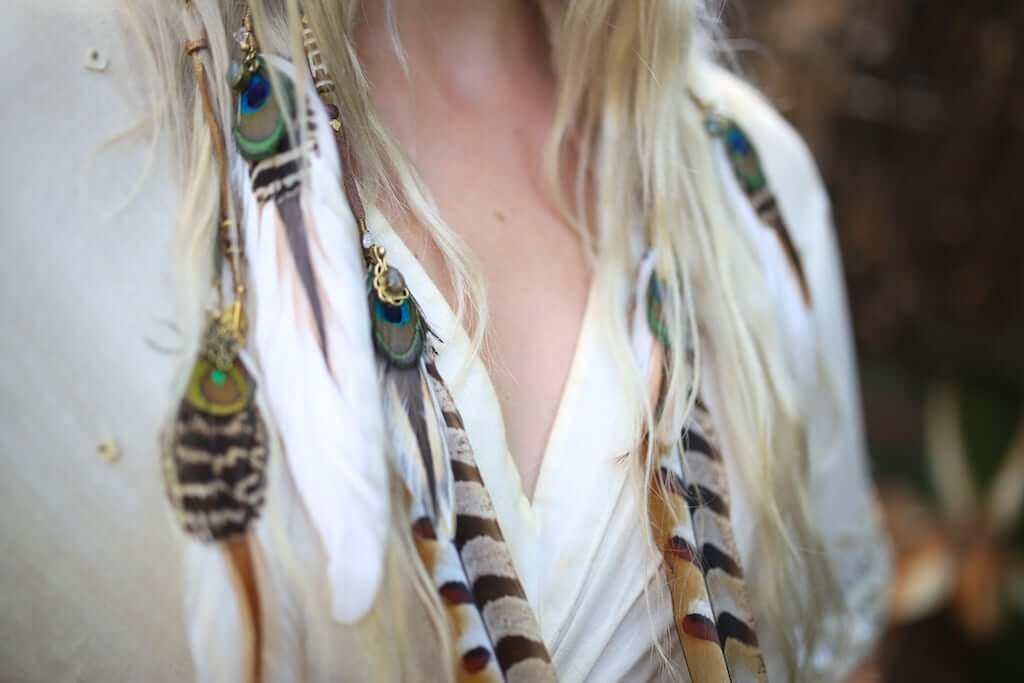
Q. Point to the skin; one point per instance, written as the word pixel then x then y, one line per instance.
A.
pixel 473 113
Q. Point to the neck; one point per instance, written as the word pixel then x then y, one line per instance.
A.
pixel 458 46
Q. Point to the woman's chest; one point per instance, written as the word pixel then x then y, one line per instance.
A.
pixel 490 194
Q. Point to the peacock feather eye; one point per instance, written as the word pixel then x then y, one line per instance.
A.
pixel 260 126
pixel 398 331
pixel 656 311
pixel 256 95
pixel 395 315
pixel 745 161
pixel 218 391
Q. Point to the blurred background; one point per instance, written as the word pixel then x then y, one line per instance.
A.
pixel 915 112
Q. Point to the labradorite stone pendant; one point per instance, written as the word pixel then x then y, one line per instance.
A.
pixel 237 75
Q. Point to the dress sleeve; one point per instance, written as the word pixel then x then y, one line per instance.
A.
pixel 841 489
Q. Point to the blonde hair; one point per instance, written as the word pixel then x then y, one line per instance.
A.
pixel 624 71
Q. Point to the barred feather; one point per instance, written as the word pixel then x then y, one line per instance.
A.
pixel 496 590
pixel 690 524
pixel 672 529
pixel 421 458
pixel 215 471
pixel 707 495
pixel 476 659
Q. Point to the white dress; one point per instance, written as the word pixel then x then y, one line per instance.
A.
pixel 90 565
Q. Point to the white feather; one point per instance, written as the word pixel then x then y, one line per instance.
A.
pixel 445 479
pixel 405 454
pixel 409 462
pixel 219 630
pixel 329 419
pixel 794 316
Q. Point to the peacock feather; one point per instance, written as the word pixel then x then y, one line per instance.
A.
pixel 398 329
pixel 260 126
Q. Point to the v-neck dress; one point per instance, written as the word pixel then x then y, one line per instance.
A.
pixel 586 563
pixel 582 554
pixel 579 547
pixel 91 568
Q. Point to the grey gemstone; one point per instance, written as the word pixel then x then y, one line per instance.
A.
pixel 394 280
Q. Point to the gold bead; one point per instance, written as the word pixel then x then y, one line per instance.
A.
pixel 108 451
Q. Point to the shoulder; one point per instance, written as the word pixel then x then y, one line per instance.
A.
pixel 801 235
pixel 832 397
pixel 788 162
pixel 803 202
pixel 840 486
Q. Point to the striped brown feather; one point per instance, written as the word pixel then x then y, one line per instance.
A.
pixel 215 471
pixel 497 591
pixel 476 661
pixel 709 504
pixel 672 530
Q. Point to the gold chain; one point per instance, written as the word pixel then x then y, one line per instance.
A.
pixel 374 255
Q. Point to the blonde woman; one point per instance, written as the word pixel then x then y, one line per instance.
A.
pixel 631 448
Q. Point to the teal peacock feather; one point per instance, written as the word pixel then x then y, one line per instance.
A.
pixel 260 131
pixel 260 126
pixel 398 330
pixel 656 310
pixel 750 174
pixel 746 162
